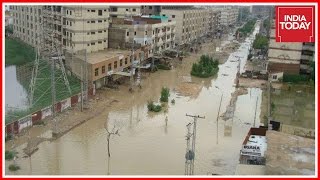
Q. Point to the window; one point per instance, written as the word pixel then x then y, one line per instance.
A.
pixel 105 30
pixel 99 12
pixel 105 20
pixel 88 21
pixel 173 16
pixel 135 33
pixel 67 11
pixel 88 10
pixel 70 13
pixel 99 42
pixel 99 31
pixel 99 21
pixel 70 23
pixel 93 32
pixel 126 61
pixel 92 21
pixel 150 7
pixel 109 67
pixel 146 32
pixel 88 33
pixel 103 69
pixel 88 44
pixel 96 71
pixel 274 77
pixel 127 9
pixel 93 43
pixel 127 33
pixel 120 62
pixel 67 22
pixel 134 10
pixel 115 64
pixel 93 10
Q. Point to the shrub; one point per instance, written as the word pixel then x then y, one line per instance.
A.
pixel 8 137
pixel 173 101
pixel 205 68
pixel 152 107
pixel 14 167
pixel 260 42
pixel 9 155
pixel 165 93
pixel 295 78
pixel 163 67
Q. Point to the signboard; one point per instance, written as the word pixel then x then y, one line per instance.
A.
pixel 251 150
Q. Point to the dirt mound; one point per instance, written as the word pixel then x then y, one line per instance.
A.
pixel 189 89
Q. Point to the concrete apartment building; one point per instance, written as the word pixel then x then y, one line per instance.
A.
pixel 229 16
pixel 214 20
pixel 151 10
pixel 155 31
pixel 76 27
pixel 191 23
pixel 289 58
pixel 124 11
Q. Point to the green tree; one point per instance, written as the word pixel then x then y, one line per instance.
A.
pixel 165 93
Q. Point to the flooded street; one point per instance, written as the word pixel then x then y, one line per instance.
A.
pixel 146 146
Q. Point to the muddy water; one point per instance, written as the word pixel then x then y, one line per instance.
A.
pixel 146 145
pixel 16 94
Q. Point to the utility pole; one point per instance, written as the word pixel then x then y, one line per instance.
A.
pixel 109 134
pixel 218 116
pixel 255 113
pixel 190 155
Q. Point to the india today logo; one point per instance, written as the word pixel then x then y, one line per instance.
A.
pixel 295 24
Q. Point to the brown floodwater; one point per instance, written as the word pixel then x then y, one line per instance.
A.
pixel 146 145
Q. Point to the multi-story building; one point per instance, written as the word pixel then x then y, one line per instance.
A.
pixel 261 11
pixel 75 27
pixel 191 23
pixel 289 58
pixel 8 18
pixel 214 23
pixel 124 11
pixel 229 16
pixel 155 31
pixel 151 10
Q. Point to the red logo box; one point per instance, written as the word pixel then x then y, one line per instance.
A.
pixel 295 23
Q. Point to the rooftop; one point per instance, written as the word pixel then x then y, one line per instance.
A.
pixel 105 55
pixel 289 154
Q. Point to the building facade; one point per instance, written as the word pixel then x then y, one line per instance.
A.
pixel 288 57
pixel 75 27
pixel 151 10
pixel 124 11
pixel 155 31
pixel 229 16
pixel 191 23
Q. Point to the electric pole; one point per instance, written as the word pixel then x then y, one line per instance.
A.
pixel 255 113
pixel 109 134
pixel 190 154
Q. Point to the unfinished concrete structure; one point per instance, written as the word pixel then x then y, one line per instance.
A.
pixel 78 27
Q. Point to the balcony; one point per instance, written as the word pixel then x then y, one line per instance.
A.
pixel 306 57
pixel 308 48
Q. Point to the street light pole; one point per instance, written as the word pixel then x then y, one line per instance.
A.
pixel 218 113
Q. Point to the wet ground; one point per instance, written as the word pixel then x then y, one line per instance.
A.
pixel 146 145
